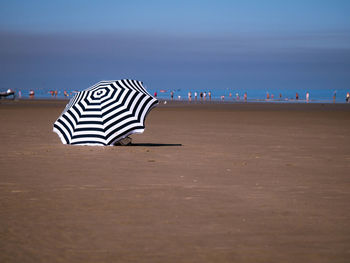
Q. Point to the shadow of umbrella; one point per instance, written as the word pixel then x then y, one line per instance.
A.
pixel 155 144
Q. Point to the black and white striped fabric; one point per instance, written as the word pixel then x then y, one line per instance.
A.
pixel 105 113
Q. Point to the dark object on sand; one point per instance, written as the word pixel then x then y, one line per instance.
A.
pixel 124 142
pixel 7 94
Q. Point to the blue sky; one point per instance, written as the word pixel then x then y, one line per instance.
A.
pixel 175 17
pixel 243 45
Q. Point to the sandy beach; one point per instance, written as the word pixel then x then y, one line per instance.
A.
pixel 240 182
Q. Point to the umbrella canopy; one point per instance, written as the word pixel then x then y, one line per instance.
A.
pixel 105 113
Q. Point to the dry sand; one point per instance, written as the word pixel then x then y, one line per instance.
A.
pixel 204 183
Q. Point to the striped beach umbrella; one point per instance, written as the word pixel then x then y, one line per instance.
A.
pixel 105 113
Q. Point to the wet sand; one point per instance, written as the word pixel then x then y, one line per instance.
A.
pixel 204 183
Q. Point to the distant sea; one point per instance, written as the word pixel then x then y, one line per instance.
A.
pixel 253 95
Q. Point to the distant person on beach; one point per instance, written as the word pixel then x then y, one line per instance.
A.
pixel 237 96
pixel 209 94
pixel 245 96
pixel 20 94
pixel 347 97
pixel 201 95
pixel 205 95
pixel 172 95
pixel 280 96
pixel 189 96
pixel 296 96
pixel 307 96
pixel 195 95
pixel 31 94
pixel 334 96
pixel 155 94
pixel 268 96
